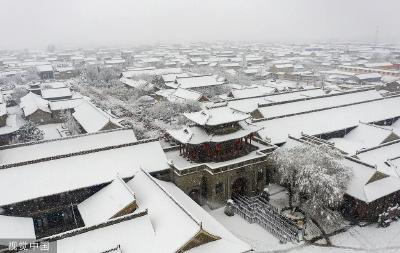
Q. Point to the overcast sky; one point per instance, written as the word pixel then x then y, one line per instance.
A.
pixel 37 23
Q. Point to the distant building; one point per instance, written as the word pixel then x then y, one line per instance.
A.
pixel 45 72
pixel 93 119
pixel 36 109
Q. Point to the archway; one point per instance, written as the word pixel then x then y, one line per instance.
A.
pixel 239 186
pixel 195 195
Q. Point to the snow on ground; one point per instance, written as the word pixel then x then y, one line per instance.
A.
pixel 361 239
pixel 356 239
pixel 370 238
pixel 52 131
pixel 253 234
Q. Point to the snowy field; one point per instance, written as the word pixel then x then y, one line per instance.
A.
pixel 253 234
pixel 356 239
pixel 52 131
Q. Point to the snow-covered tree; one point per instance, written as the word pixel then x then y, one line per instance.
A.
pixel 29 132
pixel 18 93
pixel 315 177
pixel 167 110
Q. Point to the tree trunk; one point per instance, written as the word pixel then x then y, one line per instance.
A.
pixel 290 193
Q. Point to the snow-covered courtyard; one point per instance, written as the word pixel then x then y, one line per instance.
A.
pixel 370 238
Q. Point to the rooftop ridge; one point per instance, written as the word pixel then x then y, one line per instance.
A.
pixel 82 230
pixel 84 152
pixel 183 77
pixel 378 146
pixel 61 138
pixel 273 94
pixel 377 126
pixel 316 97
pixel 126 187
pixel 324 109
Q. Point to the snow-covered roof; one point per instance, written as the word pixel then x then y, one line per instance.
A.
pixel 172 211
pixel 170 220
pixel 338 99
pixel 165 92
pixel 12 125
pixel 283 66
pixel 197 135
pixel 133 83
pixel 31 103
pixel 65 104
pixel 132 235
pixel 367 76
pixel 198 81
pixel 37 150
pixel 166 214
pixel 115 61
pixel 216 116
pixel 106 203
pixel 252 103
pixel 44 68
pixel 183 94
pixel 16 227
pixel 253 91
pixel 91 118
pixel 378 64
pixel 227 243
pixel 329 120
pixel 360 185
pixel 66 173
pixel 151 71
pixel 56 93
pixel 53 85
pixel 381 156
pixel 172 77
pixel 363 136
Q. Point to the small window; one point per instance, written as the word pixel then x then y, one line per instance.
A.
pixel 219 188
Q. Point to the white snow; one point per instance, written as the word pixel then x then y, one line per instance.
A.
pixel 91 118
pixel 198 135
pixel 172 211
pixel 16 227
pixel 315 123
pixel 198 81
pixel 31 102
pixel 380 155
pixel 56 93
pixel 106 203
pixel 135 235
pixel 65 104
pixel 216 116
pixel 318 103
pixel 75 172
pixel 250 104
pixel 253 234
pixel 20 153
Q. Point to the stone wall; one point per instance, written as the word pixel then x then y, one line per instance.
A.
pixel 216 188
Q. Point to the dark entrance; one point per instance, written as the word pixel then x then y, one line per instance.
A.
pixel 239 186
pixel 195 195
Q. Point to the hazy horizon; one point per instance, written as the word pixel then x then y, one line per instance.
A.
pixel 81 23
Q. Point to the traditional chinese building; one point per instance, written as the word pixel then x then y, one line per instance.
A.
pixel 217 156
